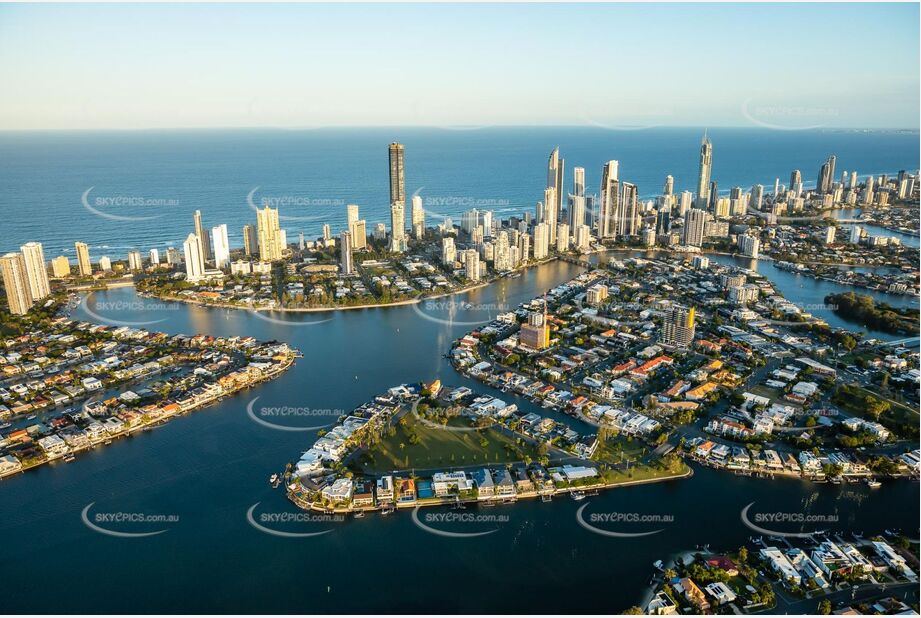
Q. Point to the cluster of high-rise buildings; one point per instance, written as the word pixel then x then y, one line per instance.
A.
pixel 25 277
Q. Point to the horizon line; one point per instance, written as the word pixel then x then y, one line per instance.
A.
pixel 456 127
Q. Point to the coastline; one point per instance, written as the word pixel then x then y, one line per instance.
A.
pixel 156 421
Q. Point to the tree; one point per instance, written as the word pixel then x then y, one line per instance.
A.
pixel 824 607
pixel 633 611
pixel 743 555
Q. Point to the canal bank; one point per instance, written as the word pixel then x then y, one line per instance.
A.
pixel 210 468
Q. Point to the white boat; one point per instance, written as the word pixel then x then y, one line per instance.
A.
pixel 659 565
pixel 874 484
pixel 578 495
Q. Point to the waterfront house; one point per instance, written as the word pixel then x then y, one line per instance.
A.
pixel 723 563
pixel 692 593
pixel 447 484
pixel 661 605
pixel 339 491
pixel 385 489
pixel 781 565
pixel 486 487
pixel 505 486
pixel 53 446
pixel 894 560
pixel 406 490
pixel 9 464
pixel 720 592
pixel 807 567
pixel 363 494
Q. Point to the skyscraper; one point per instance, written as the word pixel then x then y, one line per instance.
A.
pixel 269 234
pixel 36 273
pixel 418 217
pixel 555 167
pixel 250 240
pixel 678 327
pixel 578 181
pixel 16 283
pixel 576 211
pixel 541 241
pixel 472 264
pixel 551 213
pixel 84 267
pixel 757 197
pixel 135 263
pixel 357 233
pixel 221 245
pixel 346 266
pixel 194 258
pixel 448 251
pixel 826 175
pixel 154 255
pixel 397 226
pixel 695 221
pixel 202 233
pixel 703 175
pixel 669 188
pixel 397 182
pixel 60 266
pixel 610 192
pixel 626 214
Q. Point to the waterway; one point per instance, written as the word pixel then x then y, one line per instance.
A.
pixel 207 469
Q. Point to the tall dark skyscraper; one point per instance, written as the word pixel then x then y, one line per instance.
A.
pixel 703 175
pixel 826 176
pixel 397 181
pixel 555 168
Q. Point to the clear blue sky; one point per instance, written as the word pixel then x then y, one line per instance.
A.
pixel 149 66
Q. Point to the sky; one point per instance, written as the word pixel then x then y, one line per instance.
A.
pixel 786 66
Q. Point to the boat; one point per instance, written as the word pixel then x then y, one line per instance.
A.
pixel 659 565
pixel 69 458
pixel 31 417
pixel 874 484
pixel 387 510
pixel 273 479
pixel 578 495
pixel 546 497
pixel 359 514
pixel 6 425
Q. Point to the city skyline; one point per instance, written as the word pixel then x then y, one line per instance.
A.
pixel 170 77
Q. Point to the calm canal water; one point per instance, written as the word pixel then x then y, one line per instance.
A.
pixel 209 468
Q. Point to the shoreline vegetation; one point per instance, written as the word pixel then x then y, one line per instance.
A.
pixel 876 315
pixel 106 377
pixel 425 446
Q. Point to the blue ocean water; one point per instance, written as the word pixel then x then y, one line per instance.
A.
pixel 170 174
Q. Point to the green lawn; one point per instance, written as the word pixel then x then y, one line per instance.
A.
pixel 436 447
pixel 619 450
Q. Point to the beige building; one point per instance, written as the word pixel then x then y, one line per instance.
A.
pixel 15 281
pixel 84 267
pixel 60 266
pixel 269 234
pixel 36 271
